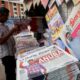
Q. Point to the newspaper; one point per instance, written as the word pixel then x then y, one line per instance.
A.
pixel 55 22
pixel 25 41
pixel 48 60
pixel 71 32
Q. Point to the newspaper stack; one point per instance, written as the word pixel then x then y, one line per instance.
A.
pixel 25 41
pixel 52 60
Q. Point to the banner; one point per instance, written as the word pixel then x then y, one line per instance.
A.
pixel 55 22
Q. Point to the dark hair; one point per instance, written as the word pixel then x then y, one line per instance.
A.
pixel 4 11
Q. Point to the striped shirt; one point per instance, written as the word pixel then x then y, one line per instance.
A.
pixel 7 48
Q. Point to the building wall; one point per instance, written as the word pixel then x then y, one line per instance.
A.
pixel 15 10
pixel 11 9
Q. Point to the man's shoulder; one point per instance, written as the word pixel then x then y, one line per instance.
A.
pixel 3 27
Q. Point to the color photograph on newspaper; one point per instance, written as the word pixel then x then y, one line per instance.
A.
pixel 55 22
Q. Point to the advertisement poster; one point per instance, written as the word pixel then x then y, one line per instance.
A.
pixel 55 22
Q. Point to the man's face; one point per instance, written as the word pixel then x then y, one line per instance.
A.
pixel 3 18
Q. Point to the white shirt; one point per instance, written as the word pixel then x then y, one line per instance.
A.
pixel 8 47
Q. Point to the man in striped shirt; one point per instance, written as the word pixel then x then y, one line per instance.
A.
pixel 7 43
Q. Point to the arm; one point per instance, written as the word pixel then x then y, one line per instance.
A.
pixel 4 38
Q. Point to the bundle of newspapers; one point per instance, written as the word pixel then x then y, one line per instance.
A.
pixel 25 41
pixel 52 62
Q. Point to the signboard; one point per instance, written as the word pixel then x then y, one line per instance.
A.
pixel 55 22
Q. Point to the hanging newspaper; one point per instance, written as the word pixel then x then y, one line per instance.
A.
pixel 71 32
pixel 55 22
pixel 74 18
pixel 50 60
